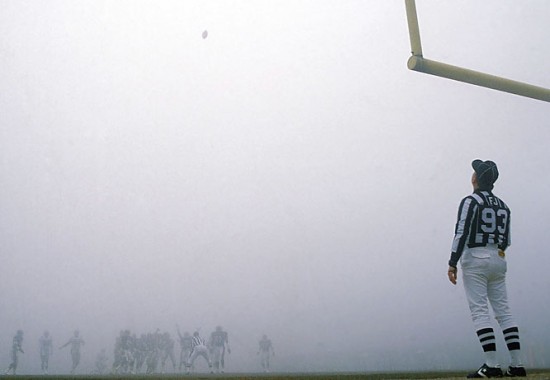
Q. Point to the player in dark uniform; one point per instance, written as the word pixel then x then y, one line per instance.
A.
pixel 482 234
pixel 16 348
pixel 124 359
pixel 153 351
pixel 265 351
pixel 219 340
pixel 186 345
pixel 140 352
pixel 167 351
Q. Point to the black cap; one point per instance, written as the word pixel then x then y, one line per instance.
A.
pixel 487 173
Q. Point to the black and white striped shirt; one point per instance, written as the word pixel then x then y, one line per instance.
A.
pixel 197 341
pixel 482 219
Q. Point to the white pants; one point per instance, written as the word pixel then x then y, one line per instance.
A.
pixel 264 359
pixel 484 277
pixel 199 351
pixel 218 355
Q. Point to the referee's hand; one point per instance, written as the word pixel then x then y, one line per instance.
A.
pixel 451 272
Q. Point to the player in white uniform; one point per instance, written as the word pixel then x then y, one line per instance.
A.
pixel 482 234
pixel 46 351
pixel 219 341
pixel 265 351
pixel 75 341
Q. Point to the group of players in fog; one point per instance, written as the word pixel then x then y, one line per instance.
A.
pixel 148 353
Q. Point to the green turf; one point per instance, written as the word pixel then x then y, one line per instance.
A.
pixel 539 374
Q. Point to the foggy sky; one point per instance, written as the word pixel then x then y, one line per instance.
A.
pixel 287 175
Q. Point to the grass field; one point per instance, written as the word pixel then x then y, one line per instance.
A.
pixel 542 374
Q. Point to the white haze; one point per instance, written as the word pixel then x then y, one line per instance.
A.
pixel 287 175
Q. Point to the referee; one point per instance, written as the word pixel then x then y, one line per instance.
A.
pixel 482 234
pixel 198 348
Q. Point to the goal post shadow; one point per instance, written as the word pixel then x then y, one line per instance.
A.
pixel 417 62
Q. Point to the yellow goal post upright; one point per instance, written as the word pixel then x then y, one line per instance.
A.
pixel 417 62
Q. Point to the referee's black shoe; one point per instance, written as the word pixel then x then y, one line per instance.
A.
pixel 485 371
pixel 516 372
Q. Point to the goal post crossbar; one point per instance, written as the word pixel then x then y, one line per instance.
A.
pixel 418 63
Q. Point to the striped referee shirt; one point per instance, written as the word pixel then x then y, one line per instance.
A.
pixel 482 219
pixel 197 341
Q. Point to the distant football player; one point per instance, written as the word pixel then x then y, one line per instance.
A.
pixel 45 343
pixel 75 342
pixel 16 348
pixel 167 351
pixel 186 345
pixel 219 341
pixel 265 351
pixel 124 359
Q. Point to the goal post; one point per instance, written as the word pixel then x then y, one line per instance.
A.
pixel 418 63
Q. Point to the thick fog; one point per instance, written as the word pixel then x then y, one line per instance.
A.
pixel 286 175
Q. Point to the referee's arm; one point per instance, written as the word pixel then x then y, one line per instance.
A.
pixel 462 228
